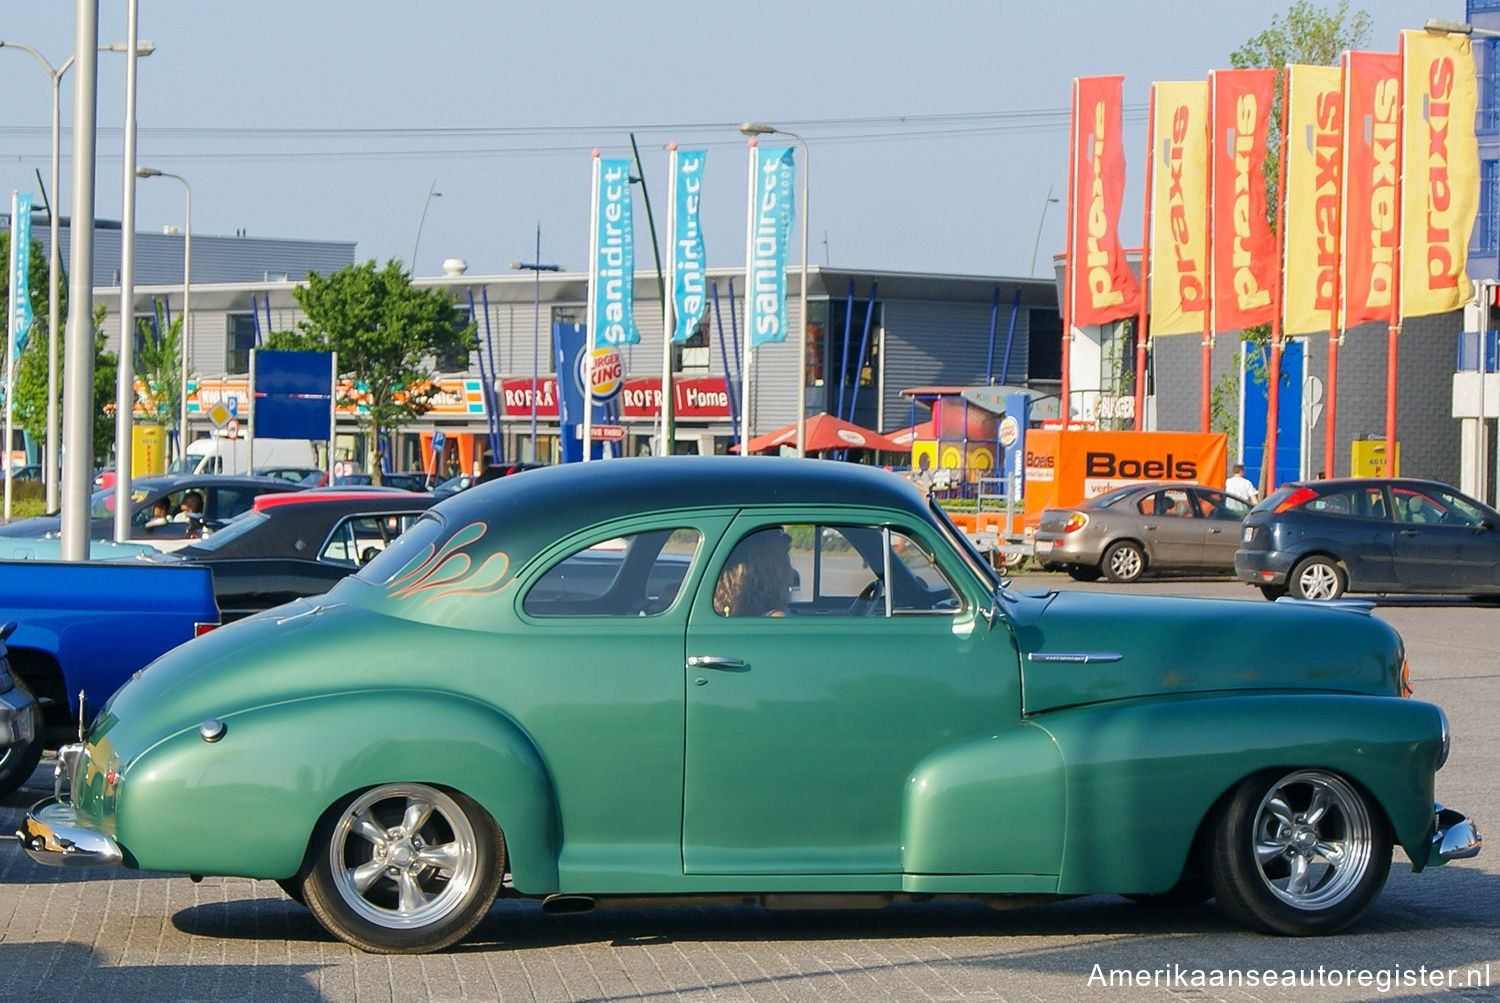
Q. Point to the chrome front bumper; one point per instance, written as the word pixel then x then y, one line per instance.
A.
pixel 53 835
pixel 1454 837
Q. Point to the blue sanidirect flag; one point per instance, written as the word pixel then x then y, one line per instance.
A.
pixel 770 225
pixel 688 301
pixel 613 322
pixel 20 272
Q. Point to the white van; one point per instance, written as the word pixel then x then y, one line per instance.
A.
pixel 219 454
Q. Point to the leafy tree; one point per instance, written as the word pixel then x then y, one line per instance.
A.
pixel 26 404
pixel 158 365
pixel 387 335
pixel 31 388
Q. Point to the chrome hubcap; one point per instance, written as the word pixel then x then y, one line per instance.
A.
pixel 404 855
pixel 1313 839
pixel 1125 563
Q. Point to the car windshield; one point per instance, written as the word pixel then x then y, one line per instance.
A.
pixel 228 533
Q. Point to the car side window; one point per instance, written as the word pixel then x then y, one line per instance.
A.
pixel 226 503
pixel 360 539
pixel 636 575
pixel 1460 511
pixel 821 570
pixel 1346 502
pixel 1218 505
pixel 1168 501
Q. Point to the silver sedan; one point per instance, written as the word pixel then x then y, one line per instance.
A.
pixel 1157 526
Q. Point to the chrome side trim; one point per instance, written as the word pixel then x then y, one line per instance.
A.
pixel 52 834
pixel 1454 837
pixel 1074 657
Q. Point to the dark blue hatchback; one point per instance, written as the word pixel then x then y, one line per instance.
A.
pixel 1320 539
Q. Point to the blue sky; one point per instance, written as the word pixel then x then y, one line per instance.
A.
pixel 936 130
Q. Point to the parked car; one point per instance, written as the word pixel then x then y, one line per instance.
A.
pixel 307 477
pixel 1131 531
pixel 900 725
pixel 298 544
pixel 492 472
pixel 1320 539
pixel 406 481
pixel 223 497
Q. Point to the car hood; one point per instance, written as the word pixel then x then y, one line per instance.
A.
pixel 1090 647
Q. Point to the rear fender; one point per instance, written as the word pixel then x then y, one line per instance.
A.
pixel 182 805
pixel 1142 776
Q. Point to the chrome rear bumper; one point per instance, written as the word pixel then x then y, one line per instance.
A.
pixel 1454 837
pixel 52 834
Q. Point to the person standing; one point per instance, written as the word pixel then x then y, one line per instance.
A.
pixel 1241 486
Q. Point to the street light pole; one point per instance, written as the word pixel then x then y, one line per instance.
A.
pixel 187 302
pixel 536 267
pixel 125 377
pixel 432 193
pixel 761 129
pixel 1036 245
pixel 54 257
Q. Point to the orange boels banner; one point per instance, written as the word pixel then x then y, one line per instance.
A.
pixel 1179 200
pixel 1372 137
pixel 1314 169
pixel 1440 171
pixel 1072 468
pixel 1102 287
pixel 1243 247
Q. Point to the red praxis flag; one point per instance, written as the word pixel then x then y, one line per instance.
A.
pixel 1244 249
pixel 1101 286
pixel 1372 142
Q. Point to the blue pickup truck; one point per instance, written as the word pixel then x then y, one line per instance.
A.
pixel 81 630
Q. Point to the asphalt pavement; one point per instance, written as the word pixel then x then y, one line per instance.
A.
pixel 121 935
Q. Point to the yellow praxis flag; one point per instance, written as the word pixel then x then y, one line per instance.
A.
pixel 1179 217
pixel 1314 186
pixel 1440 183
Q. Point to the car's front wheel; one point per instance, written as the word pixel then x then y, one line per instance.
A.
pixel 1273 592
pixel 404 868
pixel 1298 853
pixel 1083 572
pixel 1317 577
pixel 1123 562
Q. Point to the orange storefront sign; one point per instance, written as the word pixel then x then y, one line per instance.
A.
pixel 1072 467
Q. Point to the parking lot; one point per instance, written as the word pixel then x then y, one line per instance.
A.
pixel 121 934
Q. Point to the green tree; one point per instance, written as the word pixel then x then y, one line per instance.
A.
pixel 27 405
pixel 388 336
pixel 158 365
pixel 31 388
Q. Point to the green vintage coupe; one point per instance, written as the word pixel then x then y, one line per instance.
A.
pixel 754 680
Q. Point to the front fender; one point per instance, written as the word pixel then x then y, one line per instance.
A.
pixel 1143 775
pixel 247 804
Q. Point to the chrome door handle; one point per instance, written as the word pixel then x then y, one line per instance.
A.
pixel 724 662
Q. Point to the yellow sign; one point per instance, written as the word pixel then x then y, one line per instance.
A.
pixel 1367 459
pixel 148 450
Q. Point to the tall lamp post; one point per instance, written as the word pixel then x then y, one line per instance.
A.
pixel 761 129
pixel 536 267
pixel 187 289
pixel 54 263
pixel 432 193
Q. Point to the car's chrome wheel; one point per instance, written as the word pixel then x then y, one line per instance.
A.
pixel 1317 578
pixel 1299 853
pixel 1123 562
pixel 404 868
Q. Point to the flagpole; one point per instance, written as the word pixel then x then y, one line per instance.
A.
pixel 1393 327
pixel 1210 316
pixel 593 301
pixel 749 353
pixel 1273 377
pixel 669 307
pixel 10 346
pixel 1146 282
pixel 1069 266
pixel 1336 315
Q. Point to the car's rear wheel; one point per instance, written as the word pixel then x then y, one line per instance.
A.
pixel 404 868
pixel 1083 572
pixel 1123 562
pixel 1317 577
pixel 1298 853
pixel 18 761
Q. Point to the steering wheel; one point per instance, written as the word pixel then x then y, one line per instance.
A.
pixel 870 601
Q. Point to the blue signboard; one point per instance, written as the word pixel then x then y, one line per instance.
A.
pixel 293 394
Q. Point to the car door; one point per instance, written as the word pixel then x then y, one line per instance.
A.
pixel 1443 542
pixel 1170 528
pixel 1221 514
pixel 804 723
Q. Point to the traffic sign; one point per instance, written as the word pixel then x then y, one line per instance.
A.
pixel 233 403
pixel 438 441
pixel 219 414
pixel 608 433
